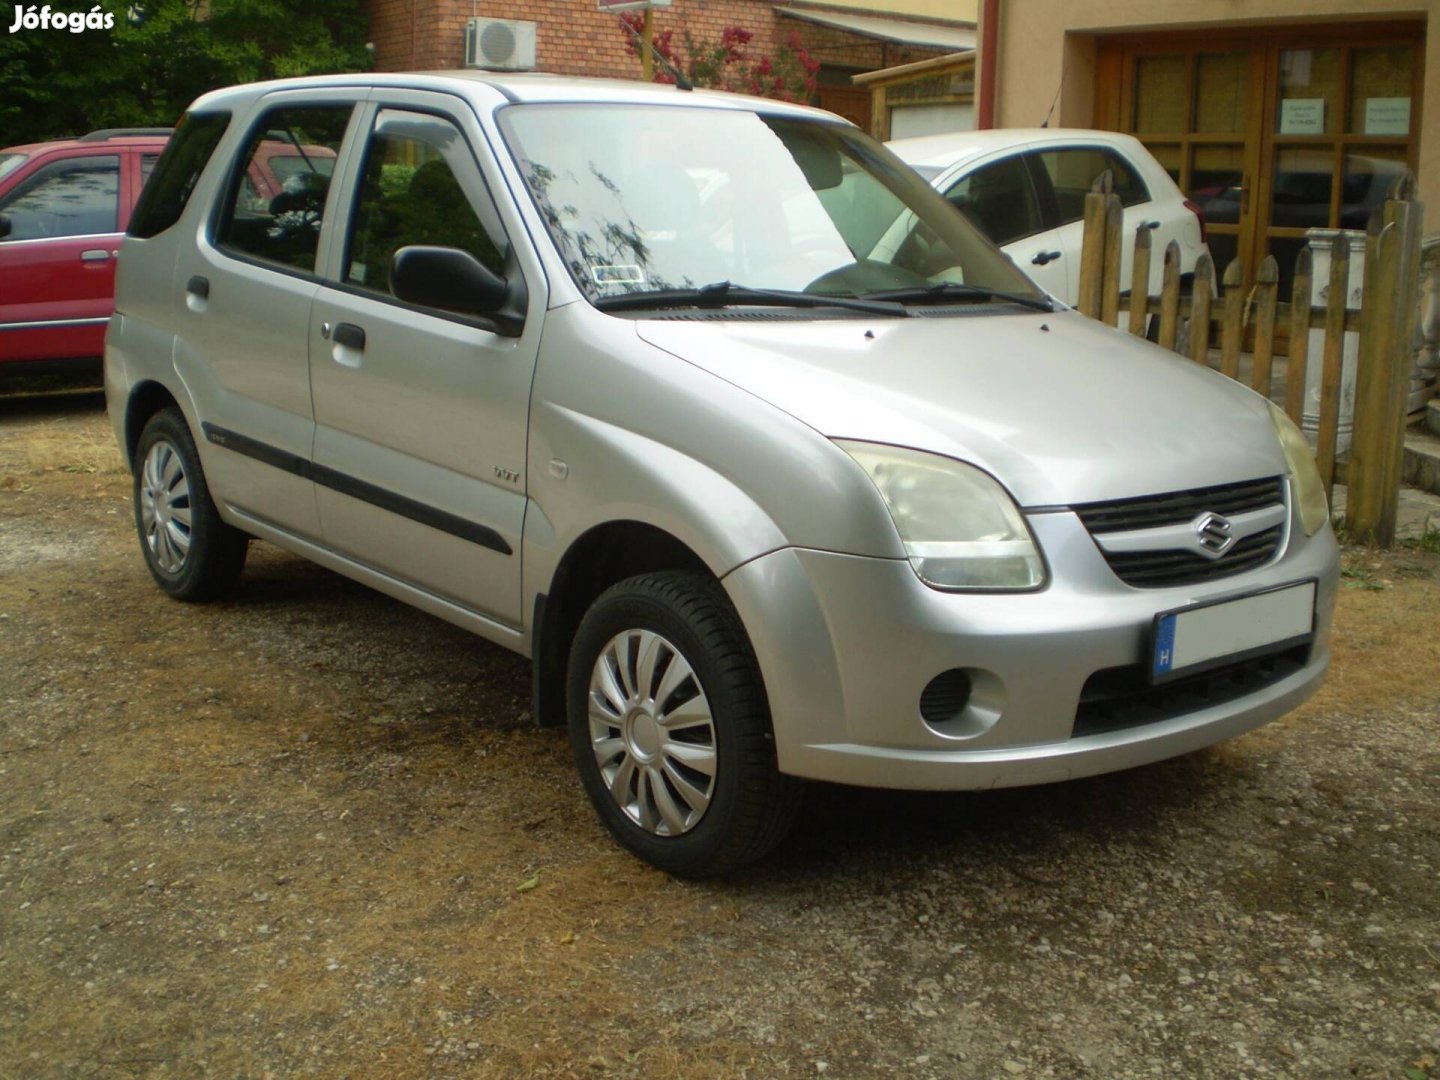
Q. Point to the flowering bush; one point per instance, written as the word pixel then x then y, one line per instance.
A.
pixel 728 64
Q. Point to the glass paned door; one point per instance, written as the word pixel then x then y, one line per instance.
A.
pixel 1273 133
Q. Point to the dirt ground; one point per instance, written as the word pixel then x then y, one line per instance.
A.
pixel 310 832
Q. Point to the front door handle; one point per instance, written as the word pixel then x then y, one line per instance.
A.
pixel 349 335
pixel 1046 257
pixel 1152 224
pixel 96 255
pixel 198 287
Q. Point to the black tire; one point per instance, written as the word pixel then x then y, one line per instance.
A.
pixel 751 805
pixel 194 560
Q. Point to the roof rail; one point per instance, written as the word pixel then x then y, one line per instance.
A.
pixel 122 133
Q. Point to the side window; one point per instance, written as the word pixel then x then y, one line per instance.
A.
pixel 419 185
pixel 277 197
pixel 147 167
pixel 177 172
pixel 999 200
pixel 1073 172
pixel 72 197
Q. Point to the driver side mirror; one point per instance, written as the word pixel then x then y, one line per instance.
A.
pixel 454 280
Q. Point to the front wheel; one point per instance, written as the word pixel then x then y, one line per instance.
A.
pixel 671 730
pixel 191 553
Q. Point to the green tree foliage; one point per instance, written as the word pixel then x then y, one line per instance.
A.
pixel 161 55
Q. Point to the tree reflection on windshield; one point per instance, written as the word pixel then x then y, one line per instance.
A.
pixel 644 199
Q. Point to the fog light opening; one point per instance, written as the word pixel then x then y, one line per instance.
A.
pixel 962 703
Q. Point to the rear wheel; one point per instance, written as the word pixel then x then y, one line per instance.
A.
pixel 670 727
pixel 191 553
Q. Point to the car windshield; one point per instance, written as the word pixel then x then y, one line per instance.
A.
pixel 9 163
pixel 727 203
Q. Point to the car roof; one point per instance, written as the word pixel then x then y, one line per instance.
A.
pixel 95 139
pixel 516 87
pixel 950 148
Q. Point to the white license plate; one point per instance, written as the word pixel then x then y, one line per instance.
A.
pixel 1192 639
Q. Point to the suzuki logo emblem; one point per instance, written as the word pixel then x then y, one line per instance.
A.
pixel 1212 533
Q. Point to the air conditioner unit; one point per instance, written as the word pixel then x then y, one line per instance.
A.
pixel 500 44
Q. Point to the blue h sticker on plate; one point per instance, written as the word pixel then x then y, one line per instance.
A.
pixel 1165 645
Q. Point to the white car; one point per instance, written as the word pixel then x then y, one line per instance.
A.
pixel 1025 189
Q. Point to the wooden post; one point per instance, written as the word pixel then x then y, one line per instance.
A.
pixel 1267 292
pixel 1140 282
pixel 1170 296
pixel 1329 427
pixel 1200 295
pixel 1390 315
pixel 1110 290
pixel 1233 325
pixel 1092 256
pixel 1299 336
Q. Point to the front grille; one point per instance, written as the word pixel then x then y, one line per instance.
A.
pixel 1151 511
pixel 1119 698
pixel 1180 566
pixel 1160 569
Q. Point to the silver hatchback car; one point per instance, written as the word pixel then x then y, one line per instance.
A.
pixel 774 467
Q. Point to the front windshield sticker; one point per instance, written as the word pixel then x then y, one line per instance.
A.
pixel 624 274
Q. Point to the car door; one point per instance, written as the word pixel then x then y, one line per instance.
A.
pixel 57 260
pixel 421 414
pixel 999 198
pixel 1066 174
pixel 246 289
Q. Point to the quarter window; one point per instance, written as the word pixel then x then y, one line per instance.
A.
pixel 1073 172
pixel 420 185
pixel 178 171
pixel 999 200
pixel 277 202
pixel 76 196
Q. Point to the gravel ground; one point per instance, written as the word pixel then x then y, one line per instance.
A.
pixel 310 832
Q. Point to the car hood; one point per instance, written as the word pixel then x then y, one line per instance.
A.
pixel 1059 408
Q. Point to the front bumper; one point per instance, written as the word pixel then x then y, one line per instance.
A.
pixel 847 645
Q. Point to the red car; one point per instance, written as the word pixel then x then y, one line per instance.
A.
pixel 64 206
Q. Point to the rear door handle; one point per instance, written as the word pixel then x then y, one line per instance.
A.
pixel 349 335
pixel 1046 257
pixel 198 286
pixel 1152 224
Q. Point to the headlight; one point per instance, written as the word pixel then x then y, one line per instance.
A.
pixel 960 528
pixel 1300 459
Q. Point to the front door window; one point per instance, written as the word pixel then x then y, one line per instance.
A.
pixel 77 196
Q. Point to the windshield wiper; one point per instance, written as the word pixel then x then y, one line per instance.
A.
pixel 719 294
pixel 952 290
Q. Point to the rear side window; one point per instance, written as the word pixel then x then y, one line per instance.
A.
pixel 1073 173
pixel 276 205
pixel 77 196
pixel 178 171
pixel 999 200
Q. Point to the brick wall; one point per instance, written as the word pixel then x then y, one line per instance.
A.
pixel 573 38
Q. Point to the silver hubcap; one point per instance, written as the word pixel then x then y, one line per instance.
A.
pixel 652 733
pixel 165 507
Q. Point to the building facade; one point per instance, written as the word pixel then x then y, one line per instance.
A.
pixel 576 37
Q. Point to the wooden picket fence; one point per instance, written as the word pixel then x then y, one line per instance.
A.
pixel 1385 323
